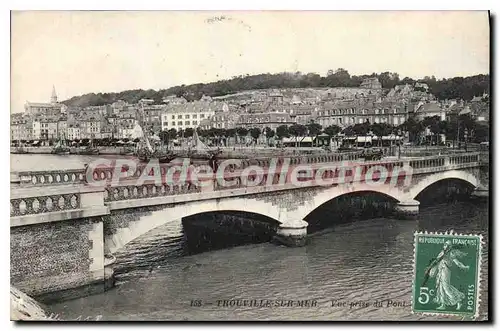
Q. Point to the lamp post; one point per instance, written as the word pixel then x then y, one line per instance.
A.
pixel 399 144
pixel 465 138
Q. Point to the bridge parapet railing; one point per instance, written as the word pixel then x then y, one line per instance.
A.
pixel 330 170
pixel 48 177
pixel 39 200
pixel 107 173
pixel 131 191
pixel 445 160
pixel 238 179
pixel 59 197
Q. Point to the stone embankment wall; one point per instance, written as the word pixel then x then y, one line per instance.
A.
pixel 50 261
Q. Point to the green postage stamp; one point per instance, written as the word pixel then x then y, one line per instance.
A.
pixel 446 274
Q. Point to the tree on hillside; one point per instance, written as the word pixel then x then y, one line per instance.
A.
pixel 458 87
pixel 388 79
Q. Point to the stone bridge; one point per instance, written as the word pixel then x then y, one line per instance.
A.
pixel 64 231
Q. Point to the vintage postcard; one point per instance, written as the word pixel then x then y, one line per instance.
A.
pixel 250 165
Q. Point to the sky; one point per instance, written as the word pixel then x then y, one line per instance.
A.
pixel 83 51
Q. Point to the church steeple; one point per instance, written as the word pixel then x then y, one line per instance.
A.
pixel 53 98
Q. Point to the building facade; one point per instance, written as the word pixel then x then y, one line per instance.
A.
pixel 183 116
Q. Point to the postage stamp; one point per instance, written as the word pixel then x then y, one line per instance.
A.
pixel 446 276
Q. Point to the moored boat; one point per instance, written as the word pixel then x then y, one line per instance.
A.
pixel 89 150
pixel 61 148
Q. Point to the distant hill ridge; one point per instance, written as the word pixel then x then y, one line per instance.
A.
pixel 453 88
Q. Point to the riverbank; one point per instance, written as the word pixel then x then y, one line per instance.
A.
pixel 225 153
pixel 73 150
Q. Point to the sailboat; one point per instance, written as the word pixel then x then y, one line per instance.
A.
pixel 89 150
pixel 164 155
pixel 146 152
pixel 60 148
pixel 198 150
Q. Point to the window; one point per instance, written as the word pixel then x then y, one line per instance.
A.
pixel 165 123
pixel 195 122
pixel 187 116
pixel 187 123
pixel 179 123
pixel 195 116
pixel 202 115
pixel 179 117
pixel 173 123
pixel 173 117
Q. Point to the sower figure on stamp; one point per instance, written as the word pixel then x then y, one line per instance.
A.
pixel 440 268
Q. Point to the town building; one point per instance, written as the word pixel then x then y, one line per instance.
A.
pixel 348 113
pixel 45 128
pixel 151 117
pixel 183 116
pixel 174 100
pixel 430 109
pixel 49 108
pixel 62 127
pixel 90 128
pixel 371 83
pixel 73 130
pixel 21 127
pixel 263 120
pixel 224 120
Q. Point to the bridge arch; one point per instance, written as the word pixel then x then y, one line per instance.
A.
pixel 128 224
pixel 429 180
pixel 336 191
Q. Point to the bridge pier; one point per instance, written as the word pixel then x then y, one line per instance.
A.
pixel 481 192
pixel 407 209
pixel 292 233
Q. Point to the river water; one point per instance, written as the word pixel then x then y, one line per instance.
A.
pixel 356 262
pixel 361 261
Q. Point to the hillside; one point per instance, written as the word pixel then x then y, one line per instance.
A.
pixel 453 88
